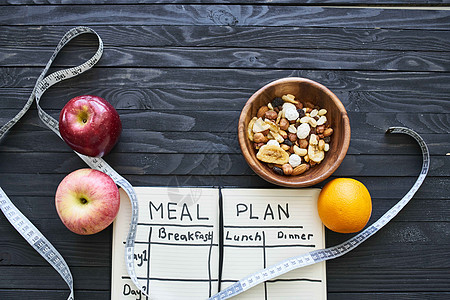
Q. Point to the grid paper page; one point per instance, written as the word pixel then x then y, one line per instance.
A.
pixel 265 226
pixel 176 247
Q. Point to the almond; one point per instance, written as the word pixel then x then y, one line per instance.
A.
pixel 262 111
pixel 300 169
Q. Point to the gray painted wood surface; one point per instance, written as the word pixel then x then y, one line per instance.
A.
pixel 179 73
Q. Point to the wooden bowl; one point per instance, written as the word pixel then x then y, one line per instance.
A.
pixel 304 90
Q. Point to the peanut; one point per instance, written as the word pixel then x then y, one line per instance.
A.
pixel 292 137
pixel 285 147
pixel 259 145
pixel 303 144
pixel 265 132
pixel 328 132
pixel 260 138
pixel 321 145
pixel 313 139
pixel 283 134
pixel 284 124
pixel 271 114
pixel 292 128
pixel 320 129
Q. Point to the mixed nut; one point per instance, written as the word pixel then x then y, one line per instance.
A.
pixel 291 136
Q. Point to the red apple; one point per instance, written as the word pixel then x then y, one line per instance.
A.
pixel 87 201
pixel 90 125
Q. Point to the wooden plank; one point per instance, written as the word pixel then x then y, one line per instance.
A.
pixel 377 254
pixel 141 141
pixel 230 15
pixel 392 236
pixel 389 295
pixel 226 36
pixel 55 231
pixel 46 184
pixel 339 279
pixel 50 294
pixel 386 279
pixel 16 252
pixel 226 122
pixel 227 79
pixel 220 99
pixel 423 245
pixel 210 164
pixel 399 256
pixel 234 58
pixel 95 295
pixel 311 2
pixel 42 208
pixel 45 277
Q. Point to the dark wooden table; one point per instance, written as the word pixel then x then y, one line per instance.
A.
pixel 179 74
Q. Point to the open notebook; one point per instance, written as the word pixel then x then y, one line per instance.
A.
pixel 192 242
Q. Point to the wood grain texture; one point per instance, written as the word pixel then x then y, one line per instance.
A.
pixel 234 58
pixel 46 184
pixel 382 279
pixel 341 2
pixel 142 141
pixel 225 15
pixel 177 99
pixel 41 207
pixel 388 295
pixel 266 37
pixel 209 164
pixel 53 294
pixel 45 277
pixel 179 73
pixel 234 79
pixel 226 121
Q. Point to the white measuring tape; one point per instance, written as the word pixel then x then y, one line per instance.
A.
pixel 317 256
pixel 16 218
pixel 37 240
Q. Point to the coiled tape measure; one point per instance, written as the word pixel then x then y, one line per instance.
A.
pixel 17 219
pixel 317 256
pixel 37 240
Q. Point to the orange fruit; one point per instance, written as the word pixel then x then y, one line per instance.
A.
pixel 344 205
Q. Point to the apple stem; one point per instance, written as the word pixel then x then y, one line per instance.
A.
pixel 83 200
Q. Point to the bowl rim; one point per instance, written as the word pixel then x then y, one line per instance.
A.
pixel 252 161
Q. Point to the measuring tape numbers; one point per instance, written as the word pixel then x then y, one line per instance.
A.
pixel 320 255
pixel 31 234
